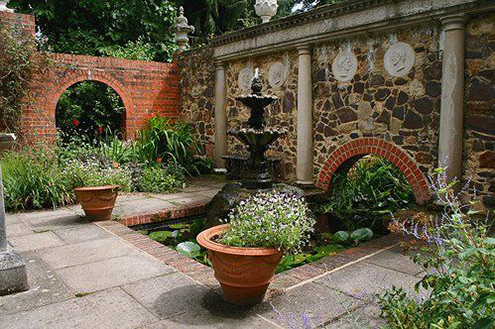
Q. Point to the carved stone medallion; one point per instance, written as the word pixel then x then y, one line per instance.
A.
pixel 276 75
pixel 344 66
pixel 399 59
pixel 245 78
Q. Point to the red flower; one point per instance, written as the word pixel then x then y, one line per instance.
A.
pixel 75 122
pixel 100 130
pixel 159 160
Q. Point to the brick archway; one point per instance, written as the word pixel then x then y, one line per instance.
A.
pixel 86 75
pixel 349 153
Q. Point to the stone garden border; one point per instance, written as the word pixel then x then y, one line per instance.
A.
pixel 284 281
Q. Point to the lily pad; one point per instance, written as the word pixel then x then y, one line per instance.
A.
pixel 189 248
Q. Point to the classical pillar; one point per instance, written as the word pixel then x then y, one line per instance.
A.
pixel 220 116
pixel 13 275
pixel 304 171
pixel 452 105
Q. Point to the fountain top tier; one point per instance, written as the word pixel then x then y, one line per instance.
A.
pixel 256 102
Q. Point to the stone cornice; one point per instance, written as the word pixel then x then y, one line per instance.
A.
pixel 338 21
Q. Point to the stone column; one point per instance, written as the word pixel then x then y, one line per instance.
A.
pixel 304 171
pixel 13 275
pixel 220 116
pixel 452 105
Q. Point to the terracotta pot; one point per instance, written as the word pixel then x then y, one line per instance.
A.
pixel 243 273
pixel 97 202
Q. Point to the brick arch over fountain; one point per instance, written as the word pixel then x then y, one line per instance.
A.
pixel 346 155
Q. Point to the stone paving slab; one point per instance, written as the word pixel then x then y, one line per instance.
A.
pixel 168 295
pixel 363 280
pixel 111 308
pixel 394 259
pixel 45 287
pixel 312 302
pixel 86 252
pixel 204 319
pixel 112 272
pixel 366 317
pixel 83 233
pixel 19 229
pixel 35 241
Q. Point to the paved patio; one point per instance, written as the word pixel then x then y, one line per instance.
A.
pixel 83 276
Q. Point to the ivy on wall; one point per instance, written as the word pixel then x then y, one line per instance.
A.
pixel 19 61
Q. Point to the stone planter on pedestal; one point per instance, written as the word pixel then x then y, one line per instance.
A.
pixel 266 9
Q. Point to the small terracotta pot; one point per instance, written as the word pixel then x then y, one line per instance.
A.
pixel 97 202
pixel 243 273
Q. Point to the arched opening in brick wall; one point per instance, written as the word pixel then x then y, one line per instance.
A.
pixel 90 109
pixel 342 159
pixel 54 97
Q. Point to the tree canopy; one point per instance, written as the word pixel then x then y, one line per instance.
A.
pixel 139 29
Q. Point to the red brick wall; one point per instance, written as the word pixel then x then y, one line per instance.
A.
pixel 146 88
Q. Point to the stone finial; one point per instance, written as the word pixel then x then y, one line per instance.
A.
pixel 182 29
pixel 3 6
pixel 266 9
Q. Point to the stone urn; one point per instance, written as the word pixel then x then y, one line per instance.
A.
pixel 3 6
pixel 266 9
pixel 182 28
pixel 97 202
pixel 244 273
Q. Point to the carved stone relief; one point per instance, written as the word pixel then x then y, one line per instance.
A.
pixel 344 66
pixel 245 78
pixel 399 59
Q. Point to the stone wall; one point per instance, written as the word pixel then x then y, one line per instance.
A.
pixel 403 110
pixel 479 142
pixel 281 114
pixel 197 83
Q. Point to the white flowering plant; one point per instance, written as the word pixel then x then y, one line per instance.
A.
pixel 93 172
pixel 271 220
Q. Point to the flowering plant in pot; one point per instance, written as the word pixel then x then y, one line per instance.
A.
pixel 96 184
pixel 246 252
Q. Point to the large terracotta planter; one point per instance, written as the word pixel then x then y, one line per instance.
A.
pixel 97 202
pixel 243 273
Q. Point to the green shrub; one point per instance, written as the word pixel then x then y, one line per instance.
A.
pixel 270 219
pixel 460 265
pixel 32 180
pixel 160 179
pixel 374 187
pixel 164 141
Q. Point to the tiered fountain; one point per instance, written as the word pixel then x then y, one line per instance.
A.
pixel 255 174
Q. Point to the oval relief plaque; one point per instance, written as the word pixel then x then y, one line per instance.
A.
pixel 276 75
pixel 245 78
pixel 344 66
pixel 399 59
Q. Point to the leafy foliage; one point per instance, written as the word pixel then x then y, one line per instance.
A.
pixel 372 188
pixel 270 219
pixel 460 266
pixel 19 61
pixel 89 108
pixel 160 179
pixel 167 142
pixel 32 180
pixel 92 26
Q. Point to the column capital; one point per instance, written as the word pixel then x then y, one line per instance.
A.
pixel 219 65
pixel 453 22
pixel 304 49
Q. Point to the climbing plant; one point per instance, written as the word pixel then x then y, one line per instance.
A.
pixel 19 61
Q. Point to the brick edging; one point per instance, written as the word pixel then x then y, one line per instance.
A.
pixel 190 209
pixel 282 282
